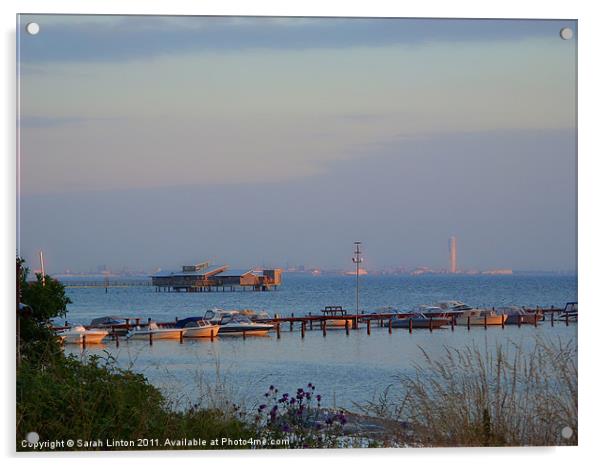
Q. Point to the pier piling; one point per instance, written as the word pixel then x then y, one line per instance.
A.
pixel 181 336
pixel 390 326
pixel 278 330
pixel 431 324
pixel 150 338
pixel 347 327
pixel 410 326
pixel 468 323
pixel 368 326
pixel 485 322
pixel 324 328
pixel 302 329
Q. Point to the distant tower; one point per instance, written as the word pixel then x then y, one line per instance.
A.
pixel 453 265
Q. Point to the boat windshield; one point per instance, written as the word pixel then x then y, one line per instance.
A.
pixel 193 324
pixel 236 319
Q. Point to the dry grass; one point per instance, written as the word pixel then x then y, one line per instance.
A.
pixel 508 396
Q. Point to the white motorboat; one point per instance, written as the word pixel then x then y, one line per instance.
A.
pixel 216 315
pixel 158 333
pixel 570 312
pixel 198 328
pixel 480 317
pixel 78 334
pixel 419 321
pixel 336 317
pixel 430 311
pixel 242 325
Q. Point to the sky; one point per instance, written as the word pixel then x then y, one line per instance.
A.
pixel 151 142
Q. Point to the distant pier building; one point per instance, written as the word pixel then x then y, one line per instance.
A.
pixel 203 277
pixel 453 264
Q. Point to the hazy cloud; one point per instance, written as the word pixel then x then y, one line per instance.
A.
pixel 84 38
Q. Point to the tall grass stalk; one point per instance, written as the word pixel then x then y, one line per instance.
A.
pixel 500 397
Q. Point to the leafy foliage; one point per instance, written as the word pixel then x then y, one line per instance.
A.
pixel 46 300
pixel 66 398
pixel 97 400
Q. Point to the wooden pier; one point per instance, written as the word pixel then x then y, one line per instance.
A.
pixel 355 322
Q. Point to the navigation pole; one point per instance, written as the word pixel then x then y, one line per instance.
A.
pixel 357 260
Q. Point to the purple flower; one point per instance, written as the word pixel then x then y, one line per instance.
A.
pixel 271 387
pixel 319 397
pixel 286 428
pixel 261 408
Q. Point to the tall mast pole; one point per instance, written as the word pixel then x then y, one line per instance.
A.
pixel 42 267
pixel 357 259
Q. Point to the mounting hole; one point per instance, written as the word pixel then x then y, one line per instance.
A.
pixel 566 33
pixel 566 432
pixel 32 28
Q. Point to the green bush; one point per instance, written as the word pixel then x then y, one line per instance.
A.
pixel 96 400
pixel 63 398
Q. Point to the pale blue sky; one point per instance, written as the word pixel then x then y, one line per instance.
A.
pixel 262 140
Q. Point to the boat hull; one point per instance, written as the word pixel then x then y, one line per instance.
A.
pixel 337 323
pixel 157 335
pixel 436 322
pixel 208 331
pixel 528 319
pixel 251 330
pixel 92 338
pixel 482 320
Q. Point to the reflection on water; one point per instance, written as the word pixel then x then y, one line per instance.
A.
pixel 346 369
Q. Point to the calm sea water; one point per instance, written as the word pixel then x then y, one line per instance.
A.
pixel 346 369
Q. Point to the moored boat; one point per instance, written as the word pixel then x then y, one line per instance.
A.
pixel 518 316
pixel 419 321
pixel 197 327
pixel 158 333
pixel 570 312
pixel 242 325
pixel 336 317
pixel 480 317
pixel 78 334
